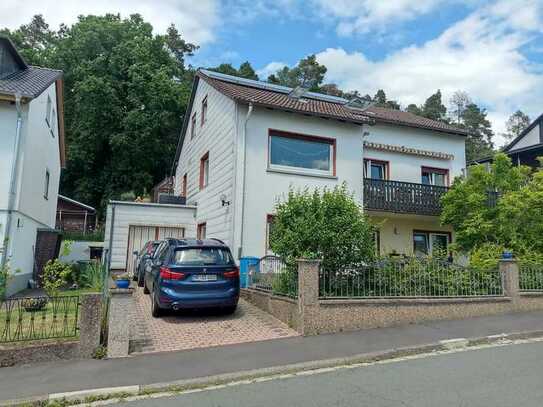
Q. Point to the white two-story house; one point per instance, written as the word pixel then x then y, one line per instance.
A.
pixel 31 156
pixel 244 143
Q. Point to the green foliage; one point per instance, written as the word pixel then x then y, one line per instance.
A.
pixel 92 275
pixel 327 225
pixel 125 92
pixel 55 276
pixel 380 100
pixel 308 74
pixel 245 70
pixel 4 278
pixel 95 236
pixel 479 142
pixel 514 223
pixel 100 352
pixel 516 124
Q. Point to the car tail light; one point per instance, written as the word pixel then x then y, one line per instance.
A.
pixel 234 273
pixel 167 274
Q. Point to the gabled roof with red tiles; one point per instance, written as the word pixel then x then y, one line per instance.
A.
pixel 316 104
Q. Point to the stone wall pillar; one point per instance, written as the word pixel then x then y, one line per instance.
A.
pixel 509 270
pixel 90 323
pixel 308 295
pixel 119 321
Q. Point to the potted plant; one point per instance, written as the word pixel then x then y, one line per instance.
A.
pixel 122 280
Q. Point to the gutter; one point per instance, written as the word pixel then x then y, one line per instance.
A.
pixel 13 181
pixel 244 175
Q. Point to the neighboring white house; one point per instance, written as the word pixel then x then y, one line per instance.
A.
pixel 31 157
pixel 244 143
pixel 526 148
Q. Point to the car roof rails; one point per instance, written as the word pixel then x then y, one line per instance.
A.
pixel 217 240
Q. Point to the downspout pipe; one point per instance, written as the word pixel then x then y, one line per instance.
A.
pixel 244 174
pixel 13 180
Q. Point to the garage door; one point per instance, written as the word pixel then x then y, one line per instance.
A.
pixel 139 235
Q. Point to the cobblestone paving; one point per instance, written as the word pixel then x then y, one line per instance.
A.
pixel 201 329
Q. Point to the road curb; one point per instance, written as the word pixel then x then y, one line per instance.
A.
pixel 88 395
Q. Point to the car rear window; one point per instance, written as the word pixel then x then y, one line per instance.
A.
pixel 202 256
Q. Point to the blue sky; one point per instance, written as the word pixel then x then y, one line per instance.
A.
pixel 491 49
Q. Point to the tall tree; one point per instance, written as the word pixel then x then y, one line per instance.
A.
pixel 458 102
pixel 126 90
pixel 516 124
pixel 414 109
pixel 434 109
pixel 380 100
pixel 308 74
pixel 479 142
pixel 245 70
pixel 35 41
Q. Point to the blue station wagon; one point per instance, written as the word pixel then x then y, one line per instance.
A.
pixel 192 273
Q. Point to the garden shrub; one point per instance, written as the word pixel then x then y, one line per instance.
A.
pixel 327 225
pixel 55 274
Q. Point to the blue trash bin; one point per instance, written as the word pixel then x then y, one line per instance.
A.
pixel 244 264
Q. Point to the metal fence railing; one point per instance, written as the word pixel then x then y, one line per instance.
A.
pixel 531 277
pixel 411 277
pixel 34 318
pixel 271 274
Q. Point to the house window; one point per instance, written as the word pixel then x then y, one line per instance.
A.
pixel 376 169
pixel 303 154
pixel 46 185
pixel 204 112
pixel 201 231
pixel 53 122
pixel 193 126
pixel 427 243
pixel 184 186
pixel 269 228
pixel 48 111
pixel 435 176
pixel 204 170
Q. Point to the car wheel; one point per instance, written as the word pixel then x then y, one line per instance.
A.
pixel 140 281
pixel 145 289
pixel 155 309
pixel 230 310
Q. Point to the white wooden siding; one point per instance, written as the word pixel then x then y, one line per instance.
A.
pixel 531 138
pixel 216 136
pixel 141 214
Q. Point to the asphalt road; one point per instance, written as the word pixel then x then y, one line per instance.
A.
pixel 500 376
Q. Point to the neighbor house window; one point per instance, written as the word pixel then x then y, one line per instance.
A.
pixel 48 111
pixel 204 170
pixel 201 231
pixel 269 228
pixel 46 185
pixel 184 186
pixel 204 112
pixel 53 122
pixel 193 126
pixel 299 153
pixel 376 169
pixel 427 243
pixel 435 176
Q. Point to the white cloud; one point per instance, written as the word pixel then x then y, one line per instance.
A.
pixel 363 16
pixel 480 54
pixel 272 67
pixel 197 20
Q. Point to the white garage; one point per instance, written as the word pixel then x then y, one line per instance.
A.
pixel 130 224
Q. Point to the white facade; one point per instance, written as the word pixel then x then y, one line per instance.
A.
pixel 243 187
pixel 39 154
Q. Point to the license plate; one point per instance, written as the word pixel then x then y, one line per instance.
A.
pixel 205 277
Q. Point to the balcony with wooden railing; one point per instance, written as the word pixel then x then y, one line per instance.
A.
pixel 403 197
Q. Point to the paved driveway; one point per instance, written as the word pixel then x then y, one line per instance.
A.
pixel 191 330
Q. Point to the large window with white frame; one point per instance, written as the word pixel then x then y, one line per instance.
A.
pixel 435 176
pixel 376 169
pixel 300 153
